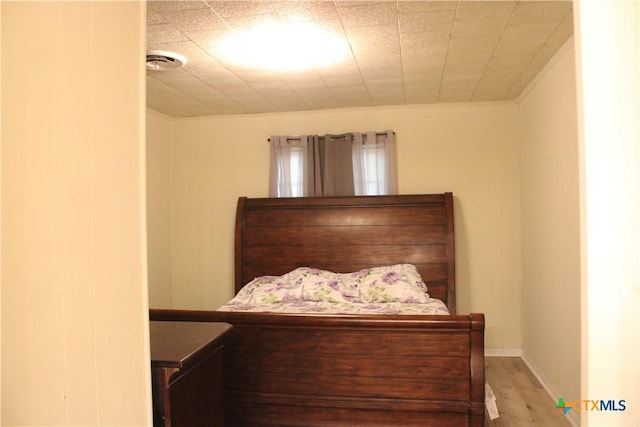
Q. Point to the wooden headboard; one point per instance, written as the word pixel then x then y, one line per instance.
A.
pixel 345 234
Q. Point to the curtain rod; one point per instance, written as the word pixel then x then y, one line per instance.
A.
pixel 337 135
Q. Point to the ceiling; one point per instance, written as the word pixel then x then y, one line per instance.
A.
pixel 402 52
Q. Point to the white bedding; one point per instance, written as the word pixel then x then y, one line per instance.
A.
pixel 395 289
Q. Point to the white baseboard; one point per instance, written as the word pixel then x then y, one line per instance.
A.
pixel 572 416
pixel 502 352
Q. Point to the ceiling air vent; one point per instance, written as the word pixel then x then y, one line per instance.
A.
pixel 158 60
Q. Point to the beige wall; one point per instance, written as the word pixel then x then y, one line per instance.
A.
pixel 608 75
pixel 74 329
pixel 470 150
pixel 1 103
pixel 158 164
pixel 551 226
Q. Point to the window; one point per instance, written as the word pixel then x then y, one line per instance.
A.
pixel 296 167
pixel 374 164
pixel 288 166
pixel 333 165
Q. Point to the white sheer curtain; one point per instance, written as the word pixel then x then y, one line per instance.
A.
pixel 289 164
pixel 374 163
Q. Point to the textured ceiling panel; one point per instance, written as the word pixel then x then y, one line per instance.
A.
pixel 400 52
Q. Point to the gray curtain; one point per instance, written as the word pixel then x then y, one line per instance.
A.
pixel 332 166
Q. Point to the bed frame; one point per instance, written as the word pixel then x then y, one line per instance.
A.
pixel 349 370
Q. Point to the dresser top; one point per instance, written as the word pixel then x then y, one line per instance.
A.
pixel 177 344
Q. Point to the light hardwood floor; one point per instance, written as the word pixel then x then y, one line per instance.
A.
pixel 521 400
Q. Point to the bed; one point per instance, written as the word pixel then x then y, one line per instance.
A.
pixel 306 369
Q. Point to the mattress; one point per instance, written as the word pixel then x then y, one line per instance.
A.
pixel 433 306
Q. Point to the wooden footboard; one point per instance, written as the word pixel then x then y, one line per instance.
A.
pixel 294 370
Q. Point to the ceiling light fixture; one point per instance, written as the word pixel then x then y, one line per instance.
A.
pixel 284 47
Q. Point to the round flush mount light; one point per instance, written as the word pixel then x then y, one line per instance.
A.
pixel 160 60
pixel 290 46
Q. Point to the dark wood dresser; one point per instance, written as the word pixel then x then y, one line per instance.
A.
pixel 186 366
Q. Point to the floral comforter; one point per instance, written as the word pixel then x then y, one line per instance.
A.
pixel 395 289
